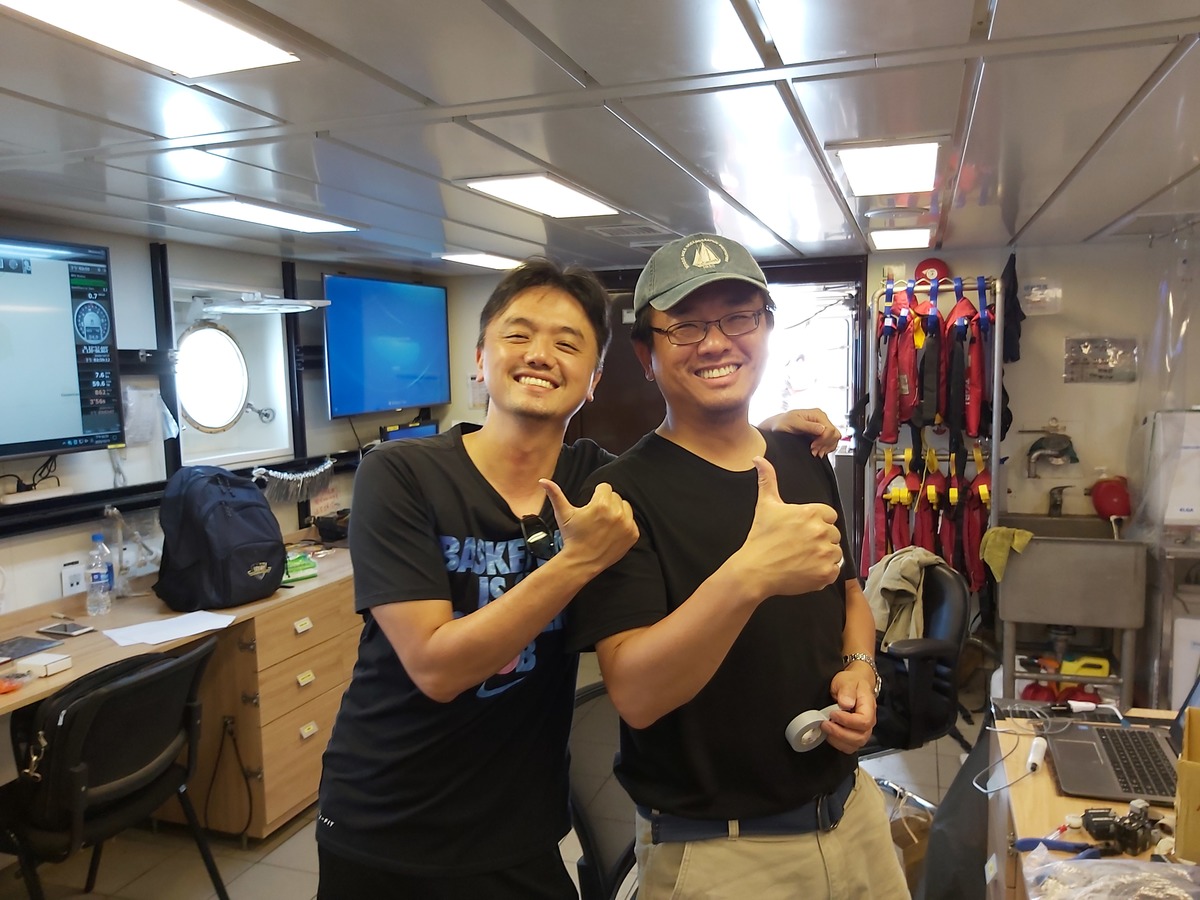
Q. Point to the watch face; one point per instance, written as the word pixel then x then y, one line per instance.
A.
pixel 92 322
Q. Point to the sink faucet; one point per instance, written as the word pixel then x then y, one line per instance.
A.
pixel 1056 498
pixel 1055 447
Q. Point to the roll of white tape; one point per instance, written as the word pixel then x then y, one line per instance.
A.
pixel 804 732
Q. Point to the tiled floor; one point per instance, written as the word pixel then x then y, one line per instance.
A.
pixel 143 864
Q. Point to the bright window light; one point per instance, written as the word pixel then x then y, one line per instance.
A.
pixel 899 169
pixel 541 194
pixel 264 215
pixel 166 33
pixel 483 260
pixel 901 238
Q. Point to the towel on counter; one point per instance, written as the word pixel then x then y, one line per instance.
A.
pixel 996 544
pixel 894 593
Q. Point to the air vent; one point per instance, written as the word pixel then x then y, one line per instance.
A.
pixel 630 232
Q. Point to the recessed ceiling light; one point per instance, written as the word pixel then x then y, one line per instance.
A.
pixel 541 194
pixel 879 212
pixel 264 215
pixel 483 260
pixel 901 238
pixel 893 169
pixel 170 34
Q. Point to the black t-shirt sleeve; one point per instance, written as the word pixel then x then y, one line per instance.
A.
pixel 393 537
pixel 631 593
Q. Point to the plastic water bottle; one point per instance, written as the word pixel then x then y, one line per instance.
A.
pixel 98 575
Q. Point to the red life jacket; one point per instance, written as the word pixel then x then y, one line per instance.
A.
pixel 975 523
pixel 964 363
pixel 925 513
pixel 908 387
pixel 889 382
pixel 931 368
pixel 884 516
pixel 948 526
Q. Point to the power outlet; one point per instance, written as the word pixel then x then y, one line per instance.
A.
pixel 72 577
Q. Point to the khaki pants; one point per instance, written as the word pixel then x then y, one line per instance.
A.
pixel 855 861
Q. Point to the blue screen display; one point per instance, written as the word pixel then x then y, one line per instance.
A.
pixel 387 345
pixel 425 429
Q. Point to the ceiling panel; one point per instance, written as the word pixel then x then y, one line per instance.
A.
pixel 1038 117
pixel 807 30
pixel 1157 144
pixel 630 174
pixel 109 90
pixel 896 103
pixel 316 90
pixel 451 51
pixel 773 176
pixel 49 130
pixel 622 41
pixel 1022 18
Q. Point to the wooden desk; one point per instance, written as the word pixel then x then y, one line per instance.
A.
pixel 276 676
pixel 1031 806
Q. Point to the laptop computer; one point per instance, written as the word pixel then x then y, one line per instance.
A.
pixel 1109 762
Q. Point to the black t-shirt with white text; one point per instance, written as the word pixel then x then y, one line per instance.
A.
pixel 479 783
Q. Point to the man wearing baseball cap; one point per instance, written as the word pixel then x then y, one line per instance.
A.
pixel 737 610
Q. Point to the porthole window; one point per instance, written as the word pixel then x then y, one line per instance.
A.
pixel 211 378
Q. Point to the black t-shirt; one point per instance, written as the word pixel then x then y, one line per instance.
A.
pixel 722 755
pixel 479 783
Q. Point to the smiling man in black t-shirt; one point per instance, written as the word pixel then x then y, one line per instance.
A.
pixel 737 609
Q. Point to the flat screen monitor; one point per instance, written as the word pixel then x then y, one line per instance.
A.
pixel 387 345
pixel 400 432
pixel 58 349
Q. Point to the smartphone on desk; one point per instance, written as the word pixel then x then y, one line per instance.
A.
pixel 66 629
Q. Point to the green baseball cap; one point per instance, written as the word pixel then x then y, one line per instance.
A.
pixel 682 266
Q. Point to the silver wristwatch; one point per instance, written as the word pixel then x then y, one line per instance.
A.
pixel 870 661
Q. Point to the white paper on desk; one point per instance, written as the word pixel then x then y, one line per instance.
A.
pixel 162 630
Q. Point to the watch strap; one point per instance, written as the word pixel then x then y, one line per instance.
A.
pixel 869 660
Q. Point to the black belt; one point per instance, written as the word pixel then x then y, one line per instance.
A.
pixel 820 814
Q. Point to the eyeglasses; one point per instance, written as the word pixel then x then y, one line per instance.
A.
pixel 736 323
pixel 539 538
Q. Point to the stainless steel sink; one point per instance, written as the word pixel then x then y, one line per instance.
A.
pixel 1090 527
pixel 1073 573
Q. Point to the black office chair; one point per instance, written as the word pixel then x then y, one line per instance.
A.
pixel 110 758
pixel 918 702
pixel 601 812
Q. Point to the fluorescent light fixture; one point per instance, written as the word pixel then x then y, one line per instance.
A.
pixel 242 303
pixel 170 34
pixel 893 169
pixel 264 215
pixel 901 238
pixel 483 260
pixel 541 194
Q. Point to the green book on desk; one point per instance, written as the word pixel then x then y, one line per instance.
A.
pixel 298 567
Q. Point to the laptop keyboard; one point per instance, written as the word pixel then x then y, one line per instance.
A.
pixel 1139 762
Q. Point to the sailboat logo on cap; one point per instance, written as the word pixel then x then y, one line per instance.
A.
pixel 703 253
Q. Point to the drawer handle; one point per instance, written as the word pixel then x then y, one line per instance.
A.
pixel 307 730
pixel 302 625
pixel 305 678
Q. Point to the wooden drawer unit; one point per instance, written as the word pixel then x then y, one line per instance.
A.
pixel 273 685
pixel 289 684
pixel 292 746
pixel 307 621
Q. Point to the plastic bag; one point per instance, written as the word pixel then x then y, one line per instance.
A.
pixel 1050 877
pixel 910 824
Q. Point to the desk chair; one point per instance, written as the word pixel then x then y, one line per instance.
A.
pixel 111 759
pixel 601 812
pixel 919 699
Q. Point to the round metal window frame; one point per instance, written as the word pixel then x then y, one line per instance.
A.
pixel 245 380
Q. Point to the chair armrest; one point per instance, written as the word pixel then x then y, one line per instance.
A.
pixel 921 648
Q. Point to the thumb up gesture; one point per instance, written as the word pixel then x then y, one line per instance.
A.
pixel 792 548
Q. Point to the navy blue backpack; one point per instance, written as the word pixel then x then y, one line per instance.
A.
pixel 222 545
